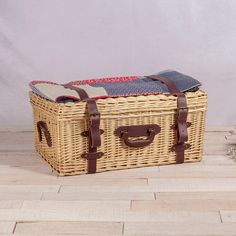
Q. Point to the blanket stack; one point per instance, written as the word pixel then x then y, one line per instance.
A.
pixel 114 87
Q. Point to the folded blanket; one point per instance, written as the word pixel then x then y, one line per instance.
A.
pixel 114 87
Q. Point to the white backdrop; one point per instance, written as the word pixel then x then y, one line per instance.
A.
pixel 64 40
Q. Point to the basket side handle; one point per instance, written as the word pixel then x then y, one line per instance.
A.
pixel 43 129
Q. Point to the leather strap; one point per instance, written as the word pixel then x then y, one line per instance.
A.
pixel 95 139
pixel 169 84
pixel 82 93
pixel 181 125
pixel 94 132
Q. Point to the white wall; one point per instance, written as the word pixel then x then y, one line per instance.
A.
pixel 68 40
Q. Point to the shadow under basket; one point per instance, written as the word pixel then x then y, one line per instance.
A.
pixel 134 132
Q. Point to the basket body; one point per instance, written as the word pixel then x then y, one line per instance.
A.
pixel 67 121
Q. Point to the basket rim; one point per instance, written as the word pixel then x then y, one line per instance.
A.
pixel 31 93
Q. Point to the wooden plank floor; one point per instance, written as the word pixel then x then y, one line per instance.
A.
pixel 187 199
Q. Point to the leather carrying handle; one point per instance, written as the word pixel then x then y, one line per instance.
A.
pixel 42 128
pixel 139 142
pixel 128 132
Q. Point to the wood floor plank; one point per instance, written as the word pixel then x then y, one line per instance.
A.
pixel 216 136
pixel 213 141
pixel 20 196
pixel 76 205
pixel 165 185
pixel 107 215
pixel 26 175
pixel 20 159
pixel 219 160
pixel 6 227
pixel 171 228
pixel 98 228
pixel 195 167
pixel 197 195
pixel 16 139
pixel 180 204
pixel 38 234
pixel 81 196
pixel 23 177
pixel 213 150
pixel 228 215
pixel 193 184
pixel 17 147
pixel 10 204
pixel 104 181
pixel 176 234
pixel 144 172
pixel 65 234
pixel 212 171
pixel 219 129
pixel 28 188
pixel 112 189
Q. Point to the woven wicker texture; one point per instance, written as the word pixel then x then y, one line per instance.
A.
pixel 67 121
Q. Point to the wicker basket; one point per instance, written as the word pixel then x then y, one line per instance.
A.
pixel 62 143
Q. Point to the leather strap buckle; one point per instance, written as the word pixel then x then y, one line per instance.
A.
pixel 179 148
pixel 92 155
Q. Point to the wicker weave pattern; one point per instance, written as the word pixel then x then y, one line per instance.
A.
pixel 66 122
